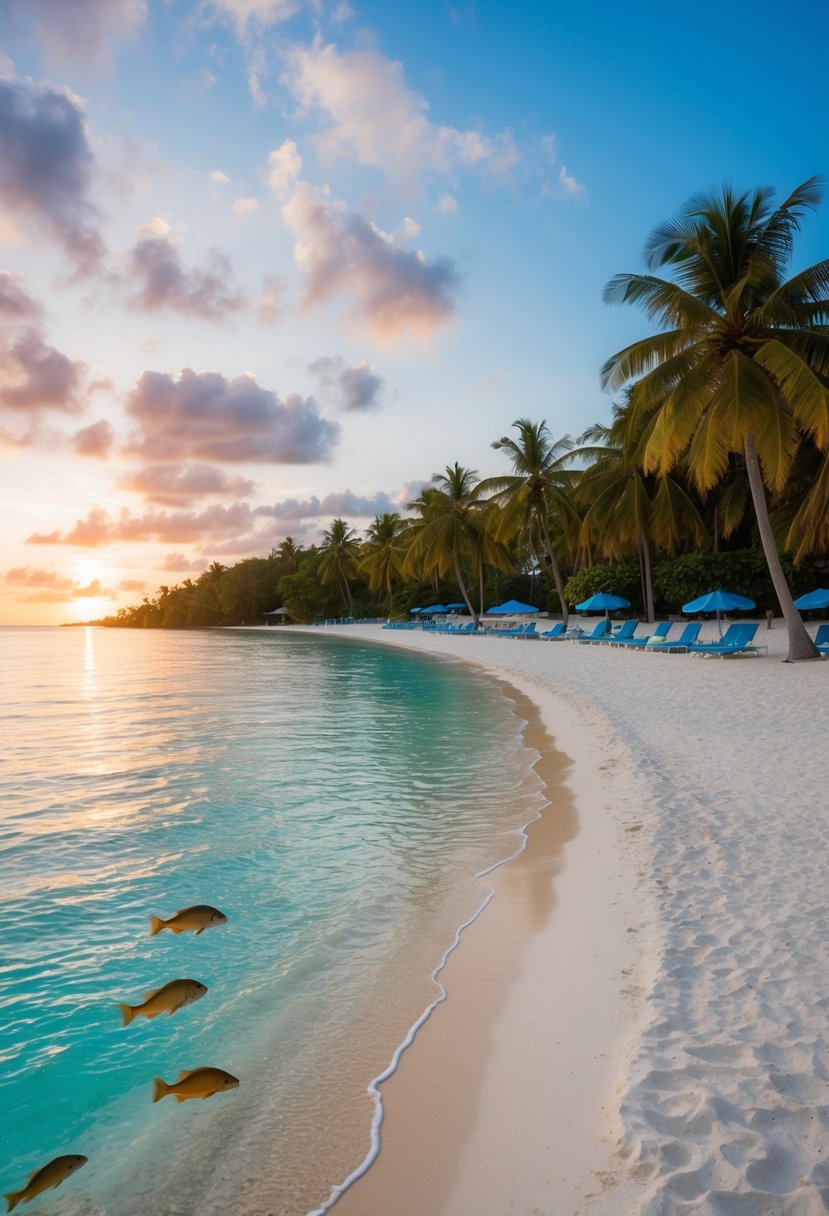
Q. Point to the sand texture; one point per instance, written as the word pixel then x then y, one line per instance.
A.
pixel 690 937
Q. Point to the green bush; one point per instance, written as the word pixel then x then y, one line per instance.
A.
pixel 618 578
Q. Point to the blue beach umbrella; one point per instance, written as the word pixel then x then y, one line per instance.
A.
pixel 435 608
pixel 719 602
pixel 819 598
pixel 451 606
pixel 512 608
pixel 415 610
pixel 602 602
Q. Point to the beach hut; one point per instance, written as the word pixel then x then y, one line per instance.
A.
pixel 276 616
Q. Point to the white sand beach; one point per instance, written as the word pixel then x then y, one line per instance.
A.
pixel 659 1043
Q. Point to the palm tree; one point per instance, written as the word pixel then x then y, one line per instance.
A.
pixel 452 529
pixel 384 552
pixel 536 493
pixel 287 554
pixel 629 511
pixel 340 551
pixel 743 359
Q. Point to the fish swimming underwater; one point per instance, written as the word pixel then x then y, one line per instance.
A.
pixel 198 1083
pixel 189 920
pixel 167 999
pixel 53 1174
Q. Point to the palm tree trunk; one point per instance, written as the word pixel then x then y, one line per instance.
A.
pixel 647 575
pixel 801 645
pixel 556 570
pixel 463 590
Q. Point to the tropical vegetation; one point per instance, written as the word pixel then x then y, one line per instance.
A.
pixel 713 470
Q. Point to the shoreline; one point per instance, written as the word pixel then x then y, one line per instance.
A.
pixel 697 784
pixel 485 1037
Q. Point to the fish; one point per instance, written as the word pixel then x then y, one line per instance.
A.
pixel 196 1083
pixel 53 1174
pixel 166 999
pixel 188 920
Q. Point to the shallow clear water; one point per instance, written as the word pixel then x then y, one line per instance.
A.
pixel 335 800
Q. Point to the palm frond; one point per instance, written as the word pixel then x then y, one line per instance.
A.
pixel 806 395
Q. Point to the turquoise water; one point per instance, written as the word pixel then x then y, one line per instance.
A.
pixel 335 800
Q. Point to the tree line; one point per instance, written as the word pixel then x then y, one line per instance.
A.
pixel 714 467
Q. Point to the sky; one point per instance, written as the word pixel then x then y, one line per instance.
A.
pixel 264 263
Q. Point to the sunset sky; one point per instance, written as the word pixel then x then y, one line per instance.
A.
pixel 267 262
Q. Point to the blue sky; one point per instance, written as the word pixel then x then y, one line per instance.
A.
pixel 375 235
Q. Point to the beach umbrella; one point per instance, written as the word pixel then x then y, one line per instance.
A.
pixel 435 608
pixel 818 598
pixel 451 606
pixel 415 610
pixel 512 608
pixel 719 602
pixel 603 602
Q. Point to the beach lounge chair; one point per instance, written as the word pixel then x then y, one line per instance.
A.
pixel 737 639
pixel 625 630
pixel 679 645
pixel 659 634
pixel 555 632
pixel 599 631
pixel 529 631
pixel 822 639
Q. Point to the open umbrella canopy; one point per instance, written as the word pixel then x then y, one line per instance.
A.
pixel 512 608
pixel 602 602
pixel 718 601
pixel 435 608
pixel 415 610
pixel 819 598
pixel 451 606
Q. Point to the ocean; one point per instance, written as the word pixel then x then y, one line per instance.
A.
pixel 335 800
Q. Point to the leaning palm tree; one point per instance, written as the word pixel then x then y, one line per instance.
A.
pixel 340 551
pixel 742 364
pixel 452 530
pixel 536 493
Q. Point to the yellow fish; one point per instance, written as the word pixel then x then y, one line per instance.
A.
pixel 199 1083
pixel 189 920
pixel 167 999
pixel 45 1178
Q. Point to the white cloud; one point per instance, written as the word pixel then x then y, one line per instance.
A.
pixel 219 178
pixel 245 206
pixel 569 183
pixel 377 119
pixel 447 205
pixel 284 167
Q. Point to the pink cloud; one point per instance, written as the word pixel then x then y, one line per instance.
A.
pixel 163 281
pixel 95 440
pixel 173 485
pixel 201 416
pixel 399 295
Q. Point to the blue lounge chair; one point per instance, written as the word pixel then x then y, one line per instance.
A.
pixel 599 631
pixel 529 631
pixel 555 632
pixel 659 634
pixel 737 639
pixel 822 639
pixel 625 630
pixel 679 645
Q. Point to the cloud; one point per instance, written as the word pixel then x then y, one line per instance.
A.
pixel 569 183
pixel 247 13
pixel 271 305
pixel 218 178
pixel 163 281
pixel 74 29
pixel 284 167
pixel 99 528
pixel 47 586
pixel 351 388
pixel 171 486
pixel 245 206
pixel 341 502
pixel 95 440
pixel 15 302
pixel 375 118
pixel 46 167
pixel 399 295
pixel 36 376
pixel 204 417
pixel 447 205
